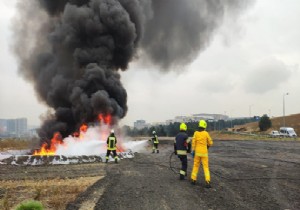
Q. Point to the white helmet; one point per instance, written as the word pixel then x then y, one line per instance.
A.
pixel 112 131
pixel 153 132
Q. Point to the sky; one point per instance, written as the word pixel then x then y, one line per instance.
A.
pixel 250 64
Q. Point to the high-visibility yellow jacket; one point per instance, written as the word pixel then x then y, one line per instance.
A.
pixel 201 140
pixel 111 143
pixel 155 139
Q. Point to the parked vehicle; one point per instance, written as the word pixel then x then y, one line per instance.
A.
pixel 274 134
pixel 287 132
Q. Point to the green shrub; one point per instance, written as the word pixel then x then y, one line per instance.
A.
pixel 264 123
pixel 30 205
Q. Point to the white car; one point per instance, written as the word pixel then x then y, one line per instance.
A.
pixel 287 132
pixel 274 134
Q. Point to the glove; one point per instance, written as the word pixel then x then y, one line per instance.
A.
pixel 175 152
pixel 193 153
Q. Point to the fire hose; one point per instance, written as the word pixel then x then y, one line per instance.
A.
pixel 172 167
pixel 175 170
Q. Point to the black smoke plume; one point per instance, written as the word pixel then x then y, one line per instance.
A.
pixel 72 50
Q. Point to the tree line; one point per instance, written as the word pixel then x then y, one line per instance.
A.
pixel 173 128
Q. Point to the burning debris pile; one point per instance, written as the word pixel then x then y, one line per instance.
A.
pixel 72 51
pixel 86 146
pixel 88 140
pixel 35 160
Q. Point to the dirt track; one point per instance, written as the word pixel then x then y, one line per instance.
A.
pixel 245 175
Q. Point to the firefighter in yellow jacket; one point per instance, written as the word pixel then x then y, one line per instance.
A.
pixel 155 142
pixel 200 143
pixel 111 146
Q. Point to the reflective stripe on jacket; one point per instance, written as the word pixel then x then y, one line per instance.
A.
pixel 111 143
pixel 155 139
pixel 181 143
pixel 201 140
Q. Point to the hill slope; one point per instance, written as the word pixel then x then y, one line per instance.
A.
pixel 277 122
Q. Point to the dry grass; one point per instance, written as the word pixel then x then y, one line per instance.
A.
pixel 228 136
pixel 7 144
pixel 277 122
pixel 54 194
pixel 234 136
pixel 18 144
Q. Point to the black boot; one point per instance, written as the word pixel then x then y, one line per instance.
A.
pixel 157 151
pixel 207 185
pixel 181 177
pixel 193 182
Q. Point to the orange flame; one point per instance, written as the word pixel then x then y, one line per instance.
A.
pixel 45 150
pixel 82 130
pixel 57 138
pixel 107 119
pixel 120 147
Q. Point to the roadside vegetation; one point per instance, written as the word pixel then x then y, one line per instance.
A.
pixel 52 194
pixel 172 128
pixel 18 144
pixel 256 128
pixel 30 205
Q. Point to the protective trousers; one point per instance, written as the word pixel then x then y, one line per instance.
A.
pixel 197 161
pixel 183 159
pixel 155 147
pixel 115 155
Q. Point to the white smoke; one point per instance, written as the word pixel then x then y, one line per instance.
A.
pixel 136 146
pixel 93 142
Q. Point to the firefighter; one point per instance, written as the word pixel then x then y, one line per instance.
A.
pixel 154 142
pixel 182 146
pixel 112 146
pixel 200 143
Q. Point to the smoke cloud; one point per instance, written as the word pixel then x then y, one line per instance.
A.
pixel 179 30
pixel 73 50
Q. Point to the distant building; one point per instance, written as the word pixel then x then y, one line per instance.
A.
pixel 215 117
pixel 3 126
pixel 183 119
pixel 197 117
pixel 13 127
pixel 139 124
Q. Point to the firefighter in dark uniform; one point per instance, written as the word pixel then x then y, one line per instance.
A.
pixel 112 146
pixel 155 142
pixel 182 146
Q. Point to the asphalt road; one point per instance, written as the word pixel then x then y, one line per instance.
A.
pixel 245 175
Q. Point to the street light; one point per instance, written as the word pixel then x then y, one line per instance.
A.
pixel 231 118
pixel 250 110
pixel 225 119
pixel 285 94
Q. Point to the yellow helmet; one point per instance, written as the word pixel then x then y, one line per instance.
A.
pixel 202 124
pixel 183 127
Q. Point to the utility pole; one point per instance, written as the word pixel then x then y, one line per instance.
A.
pixel 231 118
pixel 250 111
pixel 285 94
pixel 224 126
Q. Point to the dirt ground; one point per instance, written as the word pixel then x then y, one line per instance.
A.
pixel 245 175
